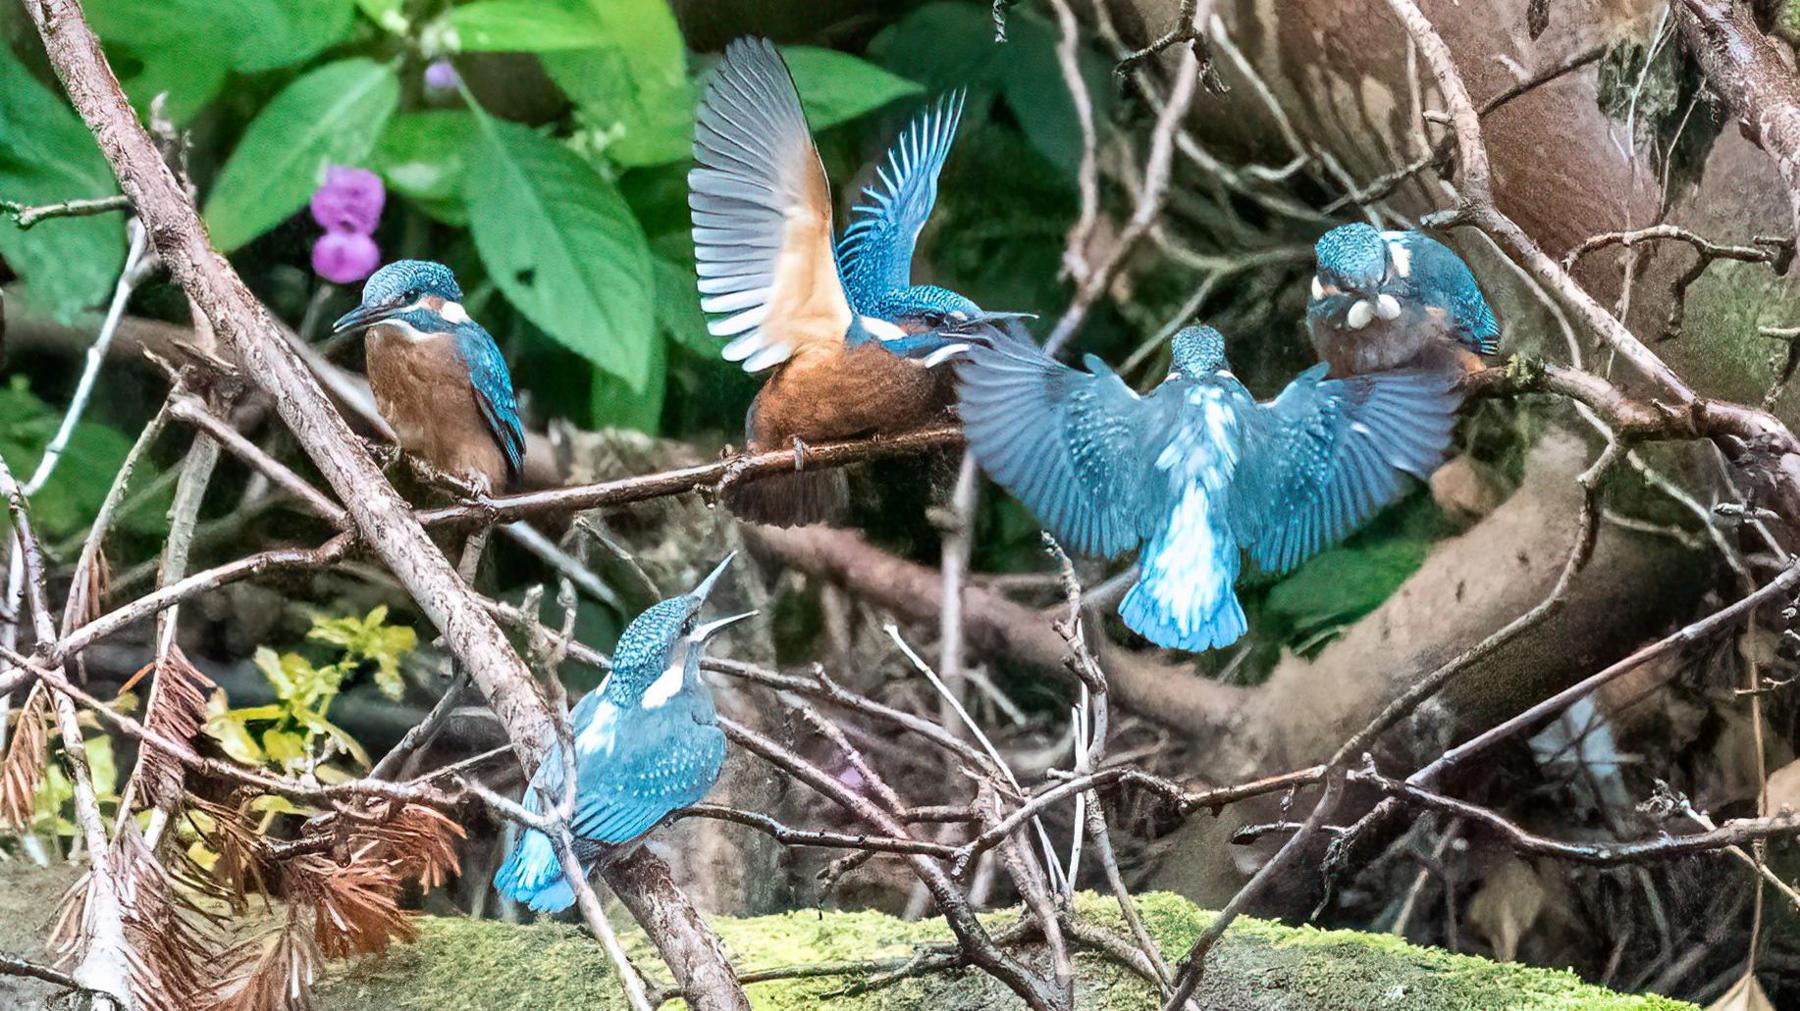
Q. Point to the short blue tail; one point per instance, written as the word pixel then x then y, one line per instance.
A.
pixel 533 875
pixel 1172 627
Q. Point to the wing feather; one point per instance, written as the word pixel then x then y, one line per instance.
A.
pixel 876 251
pixel 762 214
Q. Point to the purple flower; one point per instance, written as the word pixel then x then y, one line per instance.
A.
pixel 350 200
pixel 345 257
pixel 441 75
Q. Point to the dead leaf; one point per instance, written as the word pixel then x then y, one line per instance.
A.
pixel 1745 995
pixel 1507 905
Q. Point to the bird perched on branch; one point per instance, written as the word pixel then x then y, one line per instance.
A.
pixel 1197 470
pixel 851 344
pixel 646 743
pixel 437 376
pixel 1384 300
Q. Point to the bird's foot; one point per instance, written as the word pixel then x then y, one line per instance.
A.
pixel 799 454
pixel 737 464
pixel 385 454
pixel 467 490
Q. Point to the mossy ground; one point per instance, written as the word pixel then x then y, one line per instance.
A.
pixel 463 965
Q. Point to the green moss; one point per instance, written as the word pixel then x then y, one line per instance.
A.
pixel 467 965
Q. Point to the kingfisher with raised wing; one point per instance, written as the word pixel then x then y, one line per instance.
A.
pixel 438 377
pixel 852 346
pixel 1197 471
pixel 1385 300
pixel 647 742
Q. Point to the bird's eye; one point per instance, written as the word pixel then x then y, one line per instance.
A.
pixel 934 320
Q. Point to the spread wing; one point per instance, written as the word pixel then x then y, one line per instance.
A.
pixel 1077 448
pixel 876 251
pixel 1328 453
pixel 762 214
pixel 494 395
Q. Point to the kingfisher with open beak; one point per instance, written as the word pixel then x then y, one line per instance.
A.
pixel 851 345
pixel 1384 300
pixel 647 742
pixel 438 377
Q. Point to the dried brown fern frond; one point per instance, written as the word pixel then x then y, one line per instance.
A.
pixel 418 844
pixel 167 941
pixel 355 908
pixel 273 971
pixel 176 710
pixel 22 770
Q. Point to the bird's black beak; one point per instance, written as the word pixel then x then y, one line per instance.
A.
pixel 701 633
pixel 359 317
pixel 706 631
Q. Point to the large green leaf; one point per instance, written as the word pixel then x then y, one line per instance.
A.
pixel 330 116
pixel 245 35
pixel 286 33
pixel 72 497
pixel 949 45
pixel 836 87
pixel 634 90
pixel 563 247
pixel 422 155
pixel 47 156
pixel 525 26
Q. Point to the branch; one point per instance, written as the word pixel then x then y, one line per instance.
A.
pixel 380 516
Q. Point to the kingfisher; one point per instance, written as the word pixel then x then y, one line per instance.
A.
pixel 647 741
pixel 438 377
pixel 1197 471
pixel 1384 300
pixel 851 344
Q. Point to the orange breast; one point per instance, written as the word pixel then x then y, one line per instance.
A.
pixel 422 389
pixel 829 393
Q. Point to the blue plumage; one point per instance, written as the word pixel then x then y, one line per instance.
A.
pixel 1197 471
pixel 419 304
pixel 646 743
pixel 876 251
pixel 1384 300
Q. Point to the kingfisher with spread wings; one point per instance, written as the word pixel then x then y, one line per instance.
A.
pixel 851 345
pixel 1197 471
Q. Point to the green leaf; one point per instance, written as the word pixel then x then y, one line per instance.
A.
pixel 563 247
pixel 634 91
pixel 329 116
pixel 245 35
pixel 286 33
pixel 616 405
pixel 72 497
pixel 837 87
pixel 389 14
pixel 678 306
pixel 48 156
pixel 525 26
pixel 422 155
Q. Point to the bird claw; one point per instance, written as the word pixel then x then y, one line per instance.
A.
pixel 799 454
pixel 737 464
pixel 469 492
pixel 385 454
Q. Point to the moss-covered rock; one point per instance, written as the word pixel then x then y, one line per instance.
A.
pixel 465 965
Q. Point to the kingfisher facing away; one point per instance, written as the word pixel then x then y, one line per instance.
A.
pixel 1384 300
pixel 852 343
pixel 438 378
pixel 646 743
pixel 1197 470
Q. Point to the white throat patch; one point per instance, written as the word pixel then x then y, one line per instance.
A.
pixel 664 687
pixel 454 312
pixel 882 329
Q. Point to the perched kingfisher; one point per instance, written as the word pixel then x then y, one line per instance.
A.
pixel 852 342
pixel 1384 300
pixel 646 743
pixel 438 377
pixel 1197 470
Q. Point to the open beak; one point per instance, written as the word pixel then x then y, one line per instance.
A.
pixel 359 317
pixel 712 578
pixel 701 633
